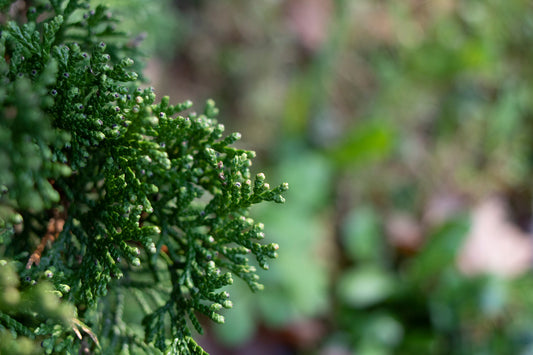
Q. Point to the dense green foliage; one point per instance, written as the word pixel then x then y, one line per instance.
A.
pixel 109 197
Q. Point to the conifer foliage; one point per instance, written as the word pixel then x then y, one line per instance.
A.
pixel 108 197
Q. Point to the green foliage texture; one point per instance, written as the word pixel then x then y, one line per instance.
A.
pixel 132 199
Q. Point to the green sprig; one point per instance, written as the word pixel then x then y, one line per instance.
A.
pixel 128 191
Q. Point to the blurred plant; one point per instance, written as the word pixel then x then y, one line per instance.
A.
pixel 156 28
pixel 19 308
pixel 401 117
pixel 425 304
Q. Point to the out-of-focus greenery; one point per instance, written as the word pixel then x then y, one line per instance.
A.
pixel 154 26
pixel 18 304
pixel 373 110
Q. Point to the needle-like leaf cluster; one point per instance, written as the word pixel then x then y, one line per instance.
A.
pixel 108 196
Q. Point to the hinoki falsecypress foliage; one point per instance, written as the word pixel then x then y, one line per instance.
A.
pixel 108 197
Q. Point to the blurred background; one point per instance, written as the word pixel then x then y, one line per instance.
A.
pixel 404 128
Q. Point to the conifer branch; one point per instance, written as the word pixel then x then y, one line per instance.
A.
pixel 140 192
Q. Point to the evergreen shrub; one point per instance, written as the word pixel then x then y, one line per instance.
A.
pixel 108 196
